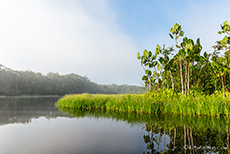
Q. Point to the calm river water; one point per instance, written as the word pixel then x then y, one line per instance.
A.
pixel 36 126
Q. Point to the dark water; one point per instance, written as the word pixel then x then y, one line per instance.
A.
pixel 36 126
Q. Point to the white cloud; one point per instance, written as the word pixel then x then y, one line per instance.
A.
pixel 80 36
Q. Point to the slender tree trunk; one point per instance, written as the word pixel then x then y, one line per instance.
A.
pixel 174 142
pixel 227 139
pixel 163 81
pixel 165 141
pixel 222 80
pixel 151 138
pixel 150 86
pixel 170 134
pixel 189 145
pixel 150 82
pixel 185 80
pixel 185 138
pixel 171 79
pixel 157 79
pixel 192 73
pixel 188 80
pixel 181 77
pixel 159 141
pixel 167 80
pixel 192 141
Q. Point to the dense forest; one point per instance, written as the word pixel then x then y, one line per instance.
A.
pixel 14 83
pixel 186 68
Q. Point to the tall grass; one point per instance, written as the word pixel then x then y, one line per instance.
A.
pixel 160 102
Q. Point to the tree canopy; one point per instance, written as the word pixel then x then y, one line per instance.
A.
pixel 14 82
pixel 185 68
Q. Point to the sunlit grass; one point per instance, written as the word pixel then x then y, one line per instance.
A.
pixel 161 102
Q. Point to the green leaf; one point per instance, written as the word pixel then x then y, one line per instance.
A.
pixel 148 72
pixel 146 53
pixel 138 55
pixel 155 73
pixel 198 41
pixel 183 44
pixel 145 78
pixel 175 27
pixel 205 54
pixel 154 57
pixel 179 28
pixel 154 63
pixel 149 54
pixel 220 32
pixel 171 36
pixel 162 61
pixel 182 33
pixel 188 46
pixel 157 52
pixel 226 23
pixel 159 67
pixel 197 58
pixel 158 46
pixel 190 41
pixel 151 65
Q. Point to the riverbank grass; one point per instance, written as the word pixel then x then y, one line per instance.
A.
pixel 161 102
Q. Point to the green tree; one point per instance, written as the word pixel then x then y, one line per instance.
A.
pixel 149 62
pixel 188 52
pixel 223 63
pixel 167 64
pixel 176 32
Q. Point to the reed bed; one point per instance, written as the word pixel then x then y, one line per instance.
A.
pixel 161 102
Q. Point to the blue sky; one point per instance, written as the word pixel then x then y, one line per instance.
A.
pixel 100 38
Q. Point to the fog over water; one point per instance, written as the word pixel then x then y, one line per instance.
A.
pixel 99 39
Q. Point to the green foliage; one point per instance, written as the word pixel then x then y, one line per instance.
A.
pixel 225 28
pixel 187 69
pixel 149 62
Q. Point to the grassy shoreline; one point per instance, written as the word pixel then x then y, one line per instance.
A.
pixel 161 102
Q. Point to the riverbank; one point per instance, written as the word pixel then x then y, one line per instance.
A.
pixel 161 102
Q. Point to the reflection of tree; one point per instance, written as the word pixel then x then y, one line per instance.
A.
pixel 182 141
pixel 227 139
pixel 174 143
pixel 23 109
pixel 149 139
pixel 172 134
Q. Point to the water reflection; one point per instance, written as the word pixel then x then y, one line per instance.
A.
pixel 35 125
pixel 185 139
pixel 173 134
pixel 38 124
pixel 23 109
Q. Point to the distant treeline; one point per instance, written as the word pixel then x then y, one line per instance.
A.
pixel 14 82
